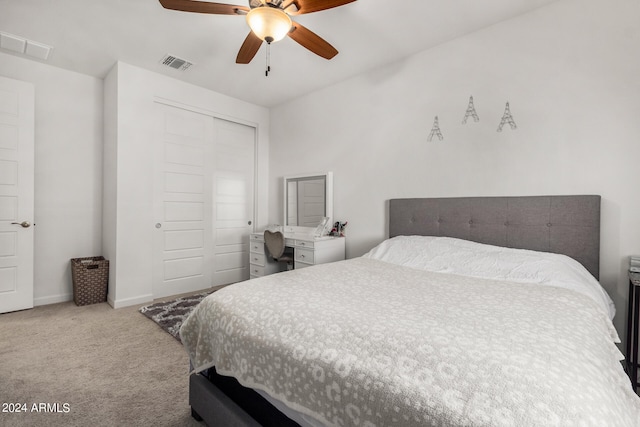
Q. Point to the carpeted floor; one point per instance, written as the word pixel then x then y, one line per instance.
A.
pixel 169 315
pixel 90 366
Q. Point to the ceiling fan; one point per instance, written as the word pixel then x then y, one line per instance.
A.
pixel 269 21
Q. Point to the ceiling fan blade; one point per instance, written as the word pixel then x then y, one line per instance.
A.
pixel 308 6
pixel 203 7
pixel 312 41
pixel 248 49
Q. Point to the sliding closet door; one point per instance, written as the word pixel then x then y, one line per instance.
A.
pixel 182 200
pixel 204 193
pixel 233 184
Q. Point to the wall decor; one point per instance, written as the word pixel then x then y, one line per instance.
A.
pixel 471 111
pixel 507 118
pixel 435 131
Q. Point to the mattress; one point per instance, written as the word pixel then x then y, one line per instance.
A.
pixel 383 341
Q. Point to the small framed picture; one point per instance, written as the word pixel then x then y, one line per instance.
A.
pixel 322 227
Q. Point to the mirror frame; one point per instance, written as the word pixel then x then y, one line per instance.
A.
pixel 328 199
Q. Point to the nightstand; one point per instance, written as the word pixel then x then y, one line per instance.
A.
pixel 633 322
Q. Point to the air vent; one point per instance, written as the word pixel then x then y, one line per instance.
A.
pixel 175 62
pixel 26 47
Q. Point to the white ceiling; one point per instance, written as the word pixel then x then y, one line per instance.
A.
pixel 89 36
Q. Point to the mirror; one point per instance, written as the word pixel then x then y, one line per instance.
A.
pixel 307 200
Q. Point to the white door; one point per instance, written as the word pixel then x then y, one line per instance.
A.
pixel 16 194
pixel 233 212
pixel 182 201
pixel 203 197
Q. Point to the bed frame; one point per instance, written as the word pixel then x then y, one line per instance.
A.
pixel 568 225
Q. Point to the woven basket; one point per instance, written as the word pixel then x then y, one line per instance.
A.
pixel 90 277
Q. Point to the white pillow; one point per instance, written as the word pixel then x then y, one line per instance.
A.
pixel 449 255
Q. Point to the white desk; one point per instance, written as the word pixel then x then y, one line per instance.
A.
pixel 307 251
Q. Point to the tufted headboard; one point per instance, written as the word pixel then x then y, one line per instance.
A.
pixel 568 225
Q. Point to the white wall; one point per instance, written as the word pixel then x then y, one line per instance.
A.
pixel 130 127
pixel 68 171
pixel 570 72
pixel 69 168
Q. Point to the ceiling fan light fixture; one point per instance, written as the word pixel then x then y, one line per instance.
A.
pixel 268 23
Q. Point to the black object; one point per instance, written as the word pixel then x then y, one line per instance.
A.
pixel 222 400
pixel 633 322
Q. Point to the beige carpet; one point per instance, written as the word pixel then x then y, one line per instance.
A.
pixel 111 368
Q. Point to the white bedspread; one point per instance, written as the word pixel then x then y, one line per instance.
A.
pixel 449 255
pixel 368 343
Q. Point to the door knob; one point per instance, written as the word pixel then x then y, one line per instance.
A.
pixel 24 224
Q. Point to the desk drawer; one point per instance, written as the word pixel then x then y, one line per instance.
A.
pixel 256 270
pixel 303 244
pixel 256 248
pixel 304 255
pixel 257 259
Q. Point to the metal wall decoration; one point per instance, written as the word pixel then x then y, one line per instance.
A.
pixel 471 111
pixel 435 131
pixel 507 118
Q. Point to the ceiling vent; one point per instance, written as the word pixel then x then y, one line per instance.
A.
pixel 26 47
pixel 175 62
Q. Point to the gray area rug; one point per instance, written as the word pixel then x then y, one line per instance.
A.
pixel 169 315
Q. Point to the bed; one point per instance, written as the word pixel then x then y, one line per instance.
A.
pixel 475 311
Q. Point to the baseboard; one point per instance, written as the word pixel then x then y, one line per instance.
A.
pixel 126 302
pixel 54 299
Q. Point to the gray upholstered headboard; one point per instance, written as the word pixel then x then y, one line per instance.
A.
pixel 568 225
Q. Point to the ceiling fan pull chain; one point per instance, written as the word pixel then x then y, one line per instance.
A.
pixel 266 73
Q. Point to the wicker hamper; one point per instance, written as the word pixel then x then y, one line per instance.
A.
pixel 90 277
